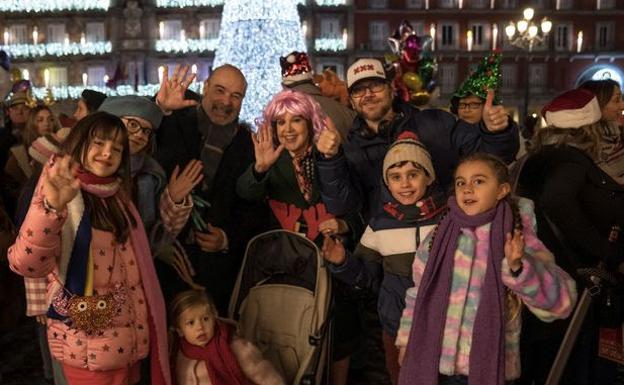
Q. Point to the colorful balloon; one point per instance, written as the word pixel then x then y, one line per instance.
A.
pixel 413 81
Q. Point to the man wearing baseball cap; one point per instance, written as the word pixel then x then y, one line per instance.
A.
pixel 350 174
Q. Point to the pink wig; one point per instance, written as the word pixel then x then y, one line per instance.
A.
pixel 297 103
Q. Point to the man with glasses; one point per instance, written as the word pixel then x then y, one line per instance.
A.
pixel 350 174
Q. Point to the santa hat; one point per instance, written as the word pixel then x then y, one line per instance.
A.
pixel 572 109
pixel 295 68
pixel 407 147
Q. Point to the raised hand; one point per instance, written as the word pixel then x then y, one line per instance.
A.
pixel 61 185
pixel 333 250
pixel 181 184
pixel 170 96
pixel 328 141
pixel 265 150
pixel 494 117
pixel 514 250
pixel 333 226
pixel 211 241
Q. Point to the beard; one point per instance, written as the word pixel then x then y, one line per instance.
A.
pixel 378 110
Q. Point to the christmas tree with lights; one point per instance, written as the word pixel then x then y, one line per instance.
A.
pixel 253 36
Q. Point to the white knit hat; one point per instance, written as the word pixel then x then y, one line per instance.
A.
pixel 407 147
pixel 365 69
pixel 572 109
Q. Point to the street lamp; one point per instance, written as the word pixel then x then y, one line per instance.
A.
pixel 524 34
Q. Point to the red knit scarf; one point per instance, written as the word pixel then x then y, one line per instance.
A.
pixel 221 362
pixel 102 187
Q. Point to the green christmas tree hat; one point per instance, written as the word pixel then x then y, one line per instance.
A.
pixel 486 76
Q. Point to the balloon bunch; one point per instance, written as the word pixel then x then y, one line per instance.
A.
pixel 414 65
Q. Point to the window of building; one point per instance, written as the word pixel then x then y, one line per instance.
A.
pixel 58 76
pixel 415 4
pixel 508 4
pixel 478 4
pixel 448 78
pixel 377 4
pixel 605 35
pixel 18 34
pixel 330 28
pixel 563 37
pixel 509 73
pixel 605 4
pixel 94 32
pixel 564 4
pixel 95 76
pixel 338 68
pixel 378 34
pixel 480 36
pixel 448 3
pixel 171 29
pixel 537 76
pixel 210 28
pixel 537 4
pixel 448 36
pixel 419 27
pixel 56 33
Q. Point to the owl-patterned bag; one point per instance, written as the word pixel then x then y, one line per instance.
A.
pixel 90 313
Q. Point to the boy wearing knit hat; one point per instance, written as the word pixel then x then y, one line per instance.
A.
pixel 412 206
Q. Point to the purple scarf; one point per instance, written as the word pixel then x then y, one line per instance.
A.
pixel 487 353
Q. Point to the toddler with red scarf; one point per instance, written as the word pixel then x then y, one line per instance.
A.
pixel 209 351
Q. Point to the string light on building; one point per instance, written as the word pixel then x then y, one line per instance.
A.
pixel 579 42
pixel 53 5
pixel 494 36
pixel 188 3
pixel 57 49
pixel 186 45
pixel 74 92
pixel 331 3
pixel 330 44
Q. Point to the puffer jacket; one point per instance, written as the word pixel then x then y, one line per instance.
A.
pixel 35 254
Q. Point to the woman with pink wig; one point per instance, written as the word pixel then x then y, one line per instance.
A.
pixel 284 174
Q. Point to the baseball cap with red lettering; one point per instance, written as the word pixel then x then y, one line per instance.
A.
pixel 362 69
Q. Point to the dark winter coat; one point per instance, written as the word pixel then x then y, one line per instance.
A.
pixel 178 141
pixel 582 201
pixel 279 186
pixel 351 180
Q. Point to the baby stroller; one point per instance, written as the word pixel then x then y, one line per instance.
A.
pixel 281 302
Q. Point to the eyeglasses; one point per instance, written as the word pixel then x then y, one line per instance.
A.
pixel 374 87
pixel 134 126
pixel 469 106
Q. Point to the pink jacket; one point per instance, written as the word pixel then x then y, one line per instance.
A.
pixel 35 254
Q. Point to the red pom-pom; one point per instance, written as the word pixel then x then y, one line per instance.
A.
pixel 407 135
